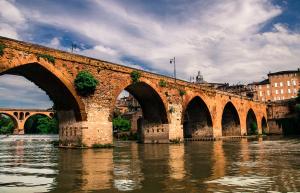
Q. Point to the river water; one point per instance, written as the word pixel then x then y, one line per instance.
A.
pixel 262 165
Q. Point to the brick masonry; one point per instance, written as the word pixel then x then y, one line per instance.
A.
pixel 88 120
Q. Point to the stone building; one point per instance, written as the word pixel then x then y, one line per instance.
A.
pixel 280 85
pixel 129 108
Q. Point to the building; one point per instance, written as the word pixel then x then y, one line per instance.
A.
pixel 280 85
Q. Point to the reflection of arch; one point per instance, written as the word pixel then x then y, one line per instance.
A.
pixel 34 114
pixel 230 121
pixel 153 108
pixel 60 91
pixel 12 117
pixel 251 122
pixel 197 119
pixel 264 125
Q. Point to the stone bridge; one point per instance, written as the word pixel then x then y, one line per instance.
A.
pixel 171 111
pixel 20 116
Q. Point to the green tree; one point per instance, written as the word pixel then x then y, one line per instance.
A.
pixel 40 124
pixel 45 125
pixel 85 83
pixel 253 128
pixel 121 124
pixel 6 125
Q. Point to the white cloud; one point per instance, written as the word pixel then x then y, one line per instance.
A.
pixel 222 38
pixel 11 19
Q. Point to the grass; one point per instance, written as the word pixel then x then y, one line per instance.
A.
pixel 2 47
pixel 47 57
pixel 108 145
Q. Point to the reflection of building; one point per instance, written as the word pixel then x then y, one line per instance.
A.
pixel 279 86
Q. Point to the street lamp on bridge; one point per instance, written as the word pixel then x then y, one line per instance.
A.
pixel 173 61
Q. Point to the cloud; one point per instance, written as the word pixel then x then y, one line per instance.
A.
pixel 223 39
pixel 228 41
pixel 18 92
pixel 11 19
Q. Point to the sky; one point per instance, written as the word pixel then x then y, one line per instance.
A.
pixel 232 41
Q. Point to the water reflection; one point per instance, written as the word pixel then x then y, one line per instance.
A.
pixel 220 166
pixel 127 167
pixel 176 162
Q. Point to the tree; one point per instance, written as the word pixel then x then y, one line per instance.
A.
pixel 85 83
pixel 121 124
pixel 6 125
pixel 40 124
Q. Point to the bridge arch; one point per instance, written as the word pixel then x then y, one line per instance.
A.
pixel 25 121
pixel 231 125
pixel 13 118
pixel 264 125
pixel 251 122
pixel 197 121
pixel 54 83
pixel 151 102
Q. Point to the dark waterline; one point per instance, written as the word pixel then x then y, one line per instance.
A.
pixel 241 166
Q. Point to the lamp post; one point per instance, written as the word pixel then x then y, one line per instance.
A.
pixel 173 61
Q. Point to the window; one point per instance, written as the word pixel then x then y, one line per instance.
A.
pixel 288 83
pixel 268 86
pixel 294 82
pixel 276 91
pixel 275 84
pixel 295 90
pixel 281 84
pixel 278 98
pixel 268 92
pixel 289 91
pixel 274 98
pixel 281 91
pixel 259 86
pixel 283 98
pixel 260 93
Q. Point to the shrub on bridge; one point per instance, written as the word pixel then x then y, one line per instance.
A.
pixel 47 57
pixel 2 47
pixel 162 83
pixel 182 92
pixel 85 83
pixel 135 76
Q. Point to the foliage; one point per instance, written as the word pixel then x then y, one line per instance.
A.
pixel 108 145
pixel 175 141
pixel 135 76
pixel 172 110
pixel 6 125
pixel 121 124
pixel 253 129
pixel 40 124
pixel 162 83
pixel 2 47
pixel 85 83
pixel 47 57
pixel 182 92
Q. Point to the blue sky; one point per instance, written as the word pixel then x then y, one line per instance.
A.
pixel 227 40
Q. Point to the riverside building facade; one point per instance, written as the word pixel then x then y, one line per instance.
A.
pixel 280 85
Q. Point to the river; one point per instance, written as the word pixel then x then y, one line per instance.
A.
pixel 261 165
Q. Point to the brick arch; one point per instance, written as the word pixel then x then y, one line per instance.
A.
pixel 36 113
pixel 153 94
pixel 23 66
pixel 250 117
pixel 197 119
pixel 13 117
pixel 230 120
pixel 264 125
